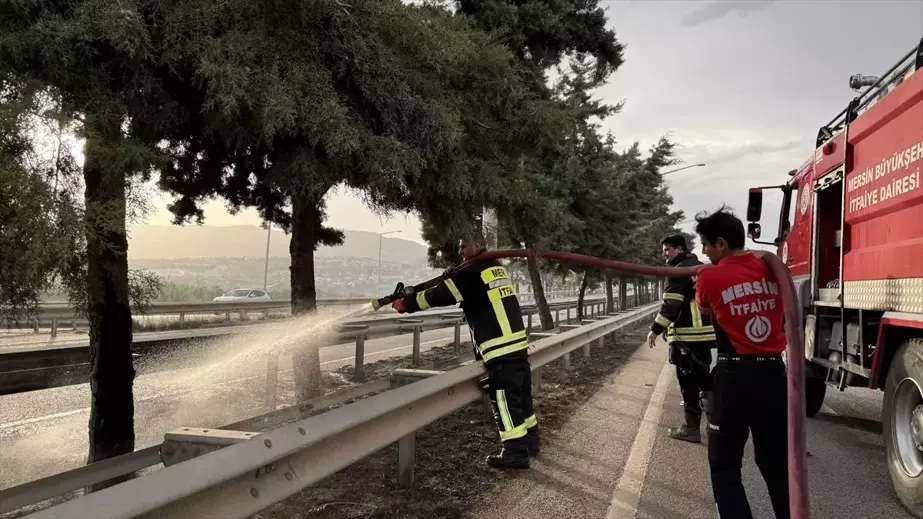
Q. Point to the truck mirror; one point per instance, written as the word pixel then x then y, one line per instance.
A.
pixel 755 205
pixel 754 230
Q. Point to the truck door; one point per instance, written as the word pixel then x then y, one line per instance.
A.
pixel 795 224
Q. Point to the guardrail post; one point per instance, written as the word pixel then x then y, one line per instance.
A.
pixel 359 371
pixel 416 345
pixel 528 324
pixel 557 316
pixel 182 317
pixel 54 327
pixel 458 338
pixel 227 316
pixel 536 380
pixel 586 350
pixel 565 362
pixel 35 326
pixel 272 380
pixel 405 458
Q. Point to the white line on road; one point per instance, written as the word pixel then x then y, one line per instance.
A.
pixel 627 493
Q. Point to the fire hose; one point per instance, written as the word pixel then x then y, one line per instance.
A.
pixel 797 450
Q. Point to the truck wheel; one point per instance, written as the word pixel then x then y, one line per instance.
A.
pixel 902 425
pixel 815 389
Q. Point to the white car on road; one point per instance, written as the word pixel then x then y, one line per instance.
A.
pixel 242 294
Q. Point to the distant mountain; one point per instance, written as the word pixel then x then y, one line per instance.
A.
pixel 249 241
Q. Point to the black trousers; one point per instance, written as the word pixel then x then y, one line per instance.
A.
pixel 509 386
pixel 748 397
pixel 692 371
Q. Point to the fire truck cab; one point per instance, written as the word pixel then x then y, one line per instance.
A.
pixel 851 232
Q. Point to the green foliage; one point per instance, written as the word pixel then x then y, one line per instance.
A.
pixel 37 211
pixel 541 32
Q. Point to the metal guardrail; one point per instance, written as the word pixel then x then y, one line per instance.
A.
pixel 64 311
pixel 240 480
pixel 55 313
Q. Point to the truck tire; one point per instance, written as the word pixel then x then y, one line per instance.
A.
pixel 902 425
pixel 815 389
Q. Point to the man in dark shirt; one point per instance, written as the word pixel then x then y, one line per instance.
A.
pixel 485 290
pixel 749 383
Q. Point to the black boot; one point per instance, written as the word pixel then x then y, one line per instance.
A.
pixel 532 442
pixel 689 431
pixel 514 455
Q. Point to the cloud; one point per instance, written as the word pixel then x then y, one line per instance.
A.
pixel 714 153
pixel 718 10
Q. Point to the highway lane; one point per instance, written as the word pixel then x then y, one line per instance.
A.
pixel 45 432
pixel 614 460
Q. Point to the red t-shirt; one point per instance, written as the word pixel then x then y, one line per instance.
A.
pixel 744 299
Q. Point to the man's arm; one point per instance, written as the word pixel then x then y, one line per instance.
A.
pixel 673 297
pixel 446 293
pixel 701 294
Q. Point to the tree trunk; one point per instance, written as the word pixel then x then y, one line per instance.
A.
pixel 111 424
pixel 623 294
pixel 306 361
pixel 610 298
pixel 544 313
pixel 582 294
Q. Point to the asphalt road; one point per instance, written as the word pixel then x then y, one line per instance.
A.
pixel 613 460
pixel 45 432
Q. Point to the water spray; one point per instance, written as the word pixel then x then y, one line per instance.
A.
pixel 794 333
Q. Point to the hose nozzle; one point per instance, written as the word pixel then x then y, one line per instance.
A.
pixel 399 293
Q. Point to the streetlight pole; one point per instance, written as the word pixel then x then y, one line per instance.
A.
pixel 380 236
pixel 266 266
pixel 682 168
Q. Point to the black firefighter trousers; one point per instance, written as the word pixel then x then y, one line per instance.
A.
pixel 748 396
pixel 509 386
pixel 692 366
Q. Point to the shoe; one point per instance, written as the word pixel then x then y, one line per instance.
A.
pixel 533 444
pixel 510 457
pixel 689 431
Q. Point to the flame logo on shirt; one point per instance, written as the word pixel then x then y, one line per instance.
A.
pixel 758 328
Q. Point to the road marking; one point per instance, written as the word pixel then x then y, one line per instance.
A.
pixel 627 493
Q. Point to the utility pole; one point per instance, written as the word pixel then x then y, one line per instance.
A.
pixel 266 267
pixel 380 236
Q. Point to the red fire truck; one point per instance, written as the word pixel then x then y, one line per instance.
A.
pixel 851 232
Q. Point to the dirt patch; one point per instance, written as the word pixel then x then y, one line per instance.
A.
pixel 450 471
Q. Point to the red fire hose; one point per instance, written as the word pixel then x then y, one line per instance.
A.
pixel 797 450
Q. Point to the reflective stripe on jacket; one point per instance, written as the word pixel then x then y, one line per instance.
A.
pixel 485 291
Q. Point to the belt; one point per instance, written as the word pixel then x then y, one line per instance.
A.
pixel 748 359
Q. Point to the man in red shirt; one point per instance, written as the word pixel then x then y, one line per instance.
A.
pixel 749 385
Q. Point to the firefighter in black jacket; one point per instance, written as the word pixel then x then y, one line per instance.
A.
pixel 489 302
pixel 690 335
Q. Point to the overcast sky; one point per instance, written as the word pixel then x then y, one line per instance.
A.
pixel 742 85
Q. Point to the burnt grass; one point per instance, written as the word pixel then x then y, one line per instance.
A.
pixel 450 473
